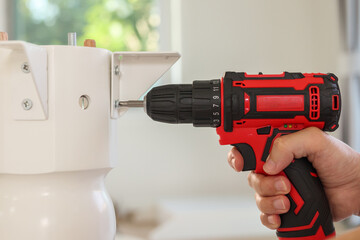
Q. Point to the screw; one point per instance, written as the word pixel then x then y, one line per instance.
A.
pixel 25 67
pixel 27 104
pixel 84 102
pixel 117 104
pixel 117 70
pixel 72 39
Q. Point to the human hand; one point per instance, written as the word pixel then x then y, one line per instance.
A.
pixel 337 165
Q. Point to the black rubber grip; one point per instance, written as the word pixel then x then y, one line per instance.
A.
pixel 309 213
pixel 248 153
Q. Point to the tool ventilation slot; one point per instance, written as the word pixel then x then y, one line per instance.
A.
pixel 314 103
pixel 335 102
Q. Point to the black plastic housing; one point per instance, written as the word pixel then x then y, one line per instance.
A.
pixel 198 103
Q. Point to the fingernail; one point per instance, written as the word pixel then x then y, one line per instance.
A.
pixel 280 186
pixel 269 166
pixel 271 220
pixel 279 204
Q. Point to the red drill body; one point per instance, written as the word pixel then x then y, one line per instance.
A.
pixel 275 105
pixel 250 112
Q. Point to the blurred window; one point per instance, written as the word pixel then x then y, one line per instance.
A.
pixel 117 25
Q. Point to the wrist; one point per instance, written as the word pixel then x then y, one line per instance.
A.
pixel 356 198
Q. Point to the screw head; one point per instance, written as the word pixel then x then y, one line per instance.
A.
pixel 25 67
pixel 84 102
pixel 117 70
pixel 27 104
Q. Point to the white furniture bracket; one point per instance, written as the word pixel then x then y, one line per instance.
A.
pixel 133 73
pixel 25 65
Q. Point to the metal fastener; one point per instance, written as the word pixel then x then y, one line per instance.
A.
pixel 117 70
pixel 130 103
pixel 84 102
pixel 117 104
pixel 27 104
pixel 72 39
pixel 25 67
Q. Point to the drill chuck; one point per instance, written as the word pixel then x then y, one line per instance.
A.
pixel 198 103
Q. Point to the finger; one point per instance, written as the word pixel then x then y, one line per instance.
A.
pixel 267 186
pixel 296 145
pixel 231 159
pixel 270 221
pixel 235 159
pixel 273 205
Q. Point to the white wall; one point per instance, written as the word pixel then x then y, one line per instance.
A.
pixel 213 37
pixel 3 15
pixel 351 96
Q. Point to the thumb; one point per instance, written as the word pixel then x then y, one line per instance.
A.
pixel 296 145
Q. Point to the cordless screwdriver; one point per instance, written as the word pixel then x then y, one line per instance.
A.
pixel 250 112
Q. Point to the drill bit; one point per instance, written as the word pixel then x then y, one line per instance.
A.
pixel 131 104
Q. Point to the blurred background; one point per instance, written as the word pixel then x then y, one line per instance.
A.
pixel 173 182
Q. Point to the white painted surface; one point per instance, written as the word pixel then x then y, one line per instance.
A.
pixel 52 168
pixel 3 16
pixel 56 206
pixel 29 84
pixel 70 139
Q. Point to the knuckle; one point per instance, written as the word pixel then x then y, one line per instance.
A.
pixel 257 199
pixel 315 133
pixel 279 143
pixel 265 186
pixel 261 187
pixel 263 219
pixel 260 202
pixel 254 181
pixel 320 137
pixel 249 178
pixel 229 156
pixel 258 184
pixel 314 130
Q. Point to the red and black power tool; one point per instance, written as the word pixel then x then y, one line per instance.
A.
pixel 250 112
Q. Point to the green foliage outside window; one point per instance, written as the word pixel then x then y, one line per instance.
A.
pixel 117 25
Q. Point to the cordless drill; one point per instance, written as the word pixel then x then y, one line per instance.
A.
pixel 250 112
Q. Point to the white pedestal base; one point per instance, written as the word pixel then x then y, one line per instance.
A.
pixel 56 206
